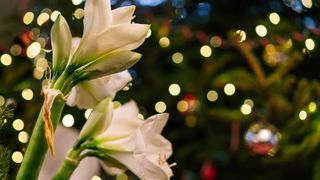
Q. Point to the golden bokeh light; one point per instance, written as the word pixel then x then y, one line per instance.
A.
pixel 95 178
pixel 307 3
pixel 54 15
pixel 33 49
pixel 302 115
pixel 160 107
pixel 205 51
pixel 87 113
pixel 6 59
pixel 229 89
pixel 241 35
pixel 76 2
pixel 18 124
pixel 182 106
pixel 164 42
pixel 17 157
pixel 28 18
pixel 312 107
pixel 78 13
pixel 43 18
pixel 23 137
pixel 212 95
pixel 177 57
pixel 16 50
pixel 149 33
pixel 249 102
pixel 274 18
pixel 27 94
pixel 310 44
pixel 68 120
pixel 245 109
pixel 261 30
pixel 174 89
pixel 140 116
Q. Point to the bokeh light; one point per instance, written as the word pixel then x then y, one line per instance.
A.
pixel 241 35
pixel 33 49
pixel 302 115
pixel 274 18
pixel 68 120
pixel 307 3
pixel 206 51
pixel 2 100
pixel 310 44
pixel 17 157
pixel 78 13
pixel 160 107
pixel 182 106
pixel 174 89
pixel 18 124
pixel 27 94
pixel 76 2
pixel 149 33
pixel 16 50
pixel 312 107
pixel 229 89
pixel 28 18
pixel 261 30
pixel 245 109
pixel 54 15
pixel 95 178
pixel 6 59
pixel 23 137
pixel 164 42
pixel 177 57
pixel 216 41
pixel 43 18
pixel 87 113
pixel 212 95
pixel 249 102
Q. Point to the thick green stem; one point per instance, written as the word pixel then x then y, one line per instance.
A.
pixel 37 148
pixel 69 165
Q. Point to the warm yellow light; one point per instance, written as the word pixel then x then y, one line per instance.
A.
pixel 95 178
pixel 312 106
pixel 87 113
pixel 2 100
pixel 42 18
pixel 241 35
pixel 307 3
pixel 182 106
pixel 164 42
pixel 38 73
pixel 302 115
pixel 249 102
pixel 33 49
pixel 27 94
pixel 17 157
pixel 28 18
pixel 206 51
pixel 116 104
pixel 15 50
pixel 177 57
pixel 54 15
pixel 41 64
pixel 18 124
pixel 261 30
pixel 174 89
pixel 23 136
pixel 78 13
pixel 76 2
pixel 149 33
pixel 274 18
pixel 212 95
pixel 245 109
pixel 68 120
pixel 216 41
pixel 140 116
pixel 6 59
pixel 310 44
pixel 270 48
pixel 229 89
pixel 160 107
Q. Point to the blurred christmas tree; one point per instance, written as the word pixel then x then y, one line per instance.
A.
pixel 239 79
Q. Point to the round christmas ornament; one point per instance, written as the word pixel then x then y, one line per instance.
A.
pixel 262 138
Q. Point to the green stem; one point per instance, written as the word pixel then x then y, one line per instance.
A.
pixel 37 148
pixel 69 164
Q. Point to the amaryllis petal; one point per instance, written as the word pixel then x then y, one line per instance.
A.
pixel 97 17
pixel 61 44
pixel 75 45
pixel 98 121
pixel 112 63
pixel 88 93
pixel 123 15
pixel 113 39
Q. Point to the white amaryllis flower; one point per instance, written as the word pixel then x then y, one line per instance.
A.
pixel 88 93
pixel 131 143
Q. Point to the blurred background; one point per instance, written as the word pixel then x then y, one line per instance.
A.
pixel 240 80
